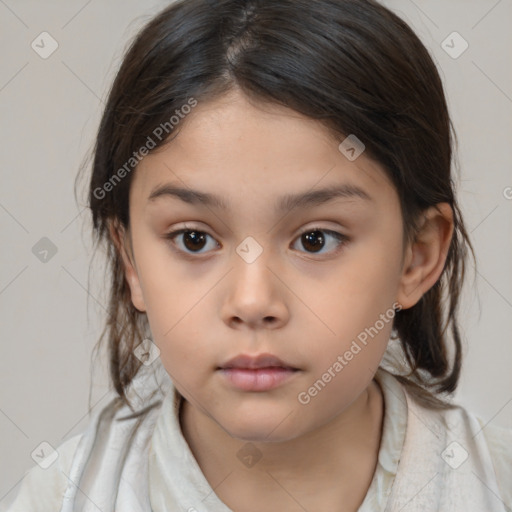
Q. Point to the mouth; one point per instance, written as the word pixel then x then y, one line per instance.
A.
pixel 256 362
pixel 257 373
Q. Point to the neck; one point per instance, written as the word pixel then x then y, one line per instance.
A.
pixel 337 460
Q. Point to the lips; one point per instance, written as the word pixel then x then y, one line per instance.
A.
pixel 257 373
pixel 248 362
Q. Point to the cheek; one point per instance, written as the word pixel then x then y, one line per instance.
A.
pixel 354 297
pixel 355 314
pixel 173 295
pixel 171 286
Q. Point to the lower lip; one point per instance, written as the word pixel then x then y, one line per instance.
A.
pixel 261 379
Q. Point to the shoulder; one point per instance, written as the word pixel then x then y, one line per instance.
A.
pixel 109 429
pixel 44 486
pixel 499 441
pixel 486 443
pixel 496 440
pixel 43 489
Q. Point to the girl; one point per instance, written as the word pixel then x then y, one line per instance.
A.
pixel 273 182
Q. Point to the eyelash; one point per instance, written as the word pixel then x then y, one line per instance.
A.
pixel 342 239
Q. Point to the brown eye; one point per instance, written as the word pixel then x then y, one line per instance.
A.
pixel 192 240
pixel 314 240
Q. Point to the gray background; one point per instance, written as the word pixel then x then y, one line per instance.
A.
pixel 49 111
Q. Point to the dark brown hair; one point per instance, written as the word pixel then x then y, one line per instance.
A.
pixel 352 64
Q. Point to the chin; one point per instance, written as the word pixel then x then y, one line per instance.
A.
pixel 273 428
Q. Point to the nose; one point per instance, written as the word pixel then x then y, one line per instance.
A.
pixel 255 296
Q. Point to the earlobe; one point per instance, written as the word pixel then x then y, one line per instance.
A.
pixel 120 240
pixel 426 256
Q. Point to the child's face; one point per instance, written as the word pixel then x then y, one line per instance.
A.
pixel 311 303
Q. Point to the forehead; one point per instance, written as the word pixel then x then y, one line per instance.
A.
pixel 232 147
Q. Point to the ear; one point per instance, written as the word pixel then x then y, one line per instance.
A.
pixel 121 238
pixel 426 255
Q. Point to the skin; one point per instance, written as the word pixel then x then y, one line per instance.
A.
pixel 303 306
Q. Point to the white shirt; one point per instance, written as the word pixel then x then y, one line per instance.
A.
pixel 176 482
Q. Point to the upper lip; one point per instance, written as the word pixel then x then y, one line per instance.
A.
pixel 255 362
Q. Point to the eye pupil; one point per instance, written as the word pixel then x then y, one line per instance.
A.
pixel 195 237
pixel 315 239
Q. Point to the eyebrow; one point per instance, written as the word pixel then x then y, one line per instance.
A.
pixel 287 202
